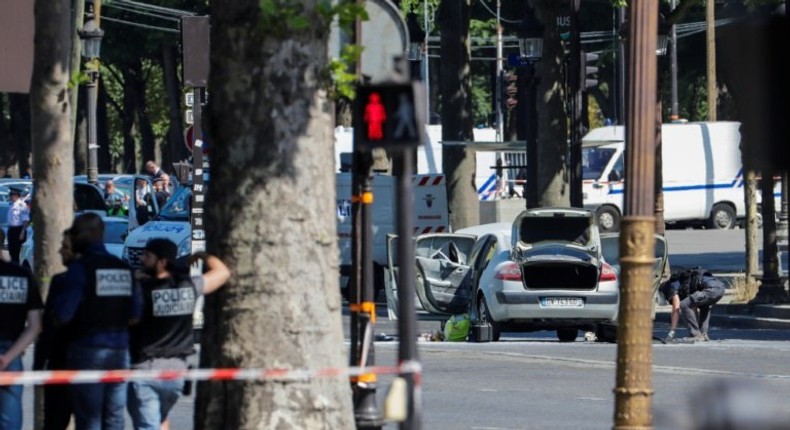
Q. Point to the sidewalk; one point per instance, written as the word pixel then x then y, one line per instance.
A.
pixel 742 316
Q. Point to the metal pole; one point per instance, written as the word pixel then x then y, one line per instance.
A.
pixel 634 391
pixel 93 159
pixel 500 123
pixel 426 65
pixel 531 136
pixel 577 81
pixel 673 58
pixel 621 81
pixel 407 320
pixel 361 299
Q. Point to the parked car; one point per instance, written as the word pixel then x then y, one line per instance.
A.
pixel 115 231
pixel 545 271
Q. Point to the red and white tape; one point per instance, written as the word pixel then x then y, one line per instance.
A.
pixel 53 377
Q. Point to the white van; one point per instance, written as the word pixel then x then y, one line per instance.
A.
pixel 429 156
pixel 702 174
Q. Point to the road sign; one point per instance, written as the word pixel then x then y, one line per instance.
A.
pixel 385 115
pixel 189 138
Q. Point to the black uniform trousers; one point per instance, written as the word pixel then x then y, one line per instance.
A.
pixel 14 244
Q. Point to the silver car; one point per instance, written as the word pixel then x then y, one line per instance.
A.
pixel 545 271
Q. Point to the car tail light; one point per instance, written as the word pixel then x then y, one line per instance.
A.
pixel 508 272
pixel 607 273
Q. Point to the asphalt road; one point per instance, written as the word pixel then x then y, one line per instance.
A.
pixel 531 381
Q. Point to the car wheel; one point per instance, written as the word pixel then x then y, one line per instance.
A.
pixel 608 219
pixel 722 217
pixel 567 334
pixel 484 316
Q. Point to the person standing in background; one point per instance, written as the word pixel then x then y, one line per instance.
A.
pixel 17 219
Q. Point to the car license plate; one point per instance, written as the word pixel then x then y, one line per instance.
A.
pixel 561 302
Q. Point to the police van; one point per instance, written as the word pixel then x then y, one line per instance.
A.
pixel 702 174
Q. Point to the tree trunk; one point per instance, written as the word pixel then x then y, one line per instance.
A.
pixel 20 122
pixel 553 174
pixel 102 130
pixel 458 164
pixel 147 139
pixel 710 43
pixel 127 120
pixel 272 209
pixel 6 142
pixel 750 199
pixel 51 124
pixel 80 137
pixel 176 149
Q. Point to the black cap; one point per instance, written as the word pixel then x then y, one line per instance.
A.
pixel 15 190
pixel 163 248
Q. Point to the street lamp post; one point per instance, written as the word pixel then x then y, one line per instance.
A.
pixel 90 36
pixel 530 46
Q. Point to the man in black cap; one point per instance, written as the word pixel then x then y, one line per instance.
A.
pixel 18 217
pixel 164 337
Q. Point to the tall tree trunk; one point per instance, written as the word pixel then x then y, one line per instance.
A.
pixel 459 164
pixel 750 199
pixel 175 149
pixel 271 206
pixel 553 174
pixel 102 130
pixel 127 120
pixel 147 138
pixel 80 132
pixel 710 41
pixel 6 142
pixel 20 121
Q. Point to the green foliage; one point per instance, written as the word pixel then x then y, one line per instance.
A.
pixel 346 11
pixel 78 78
pixel 342 79
pixel 418 7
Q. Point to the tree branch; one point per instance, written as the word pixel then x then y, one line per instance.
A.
pixel 681 11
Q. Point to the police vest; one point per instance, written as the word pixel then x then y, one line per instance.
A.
pixel 165 330
pixel 107 300
pixel 16 286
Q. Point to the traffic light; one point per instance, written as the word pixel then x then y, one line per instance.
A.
pixel 589 70
pixel 509 90
pixel 385 115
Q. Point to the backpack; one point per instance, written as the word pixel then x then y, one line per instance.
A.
pixel 690 280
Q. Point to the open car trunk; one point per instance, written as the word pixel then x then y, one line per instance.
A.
pixel 558 267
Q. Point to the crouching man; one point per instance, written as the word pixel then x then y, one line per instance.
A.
pixel 692 293
pixel 164 337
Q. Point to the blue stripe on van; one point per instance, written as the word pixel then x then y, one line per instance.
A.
pixel 685 188
pixel 489 185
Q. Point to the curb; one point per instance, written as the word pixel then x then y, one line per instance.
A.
pixel 726 320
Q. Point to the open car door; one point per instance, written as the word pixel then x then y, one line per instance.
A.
pixel 610 248
pixel 442 273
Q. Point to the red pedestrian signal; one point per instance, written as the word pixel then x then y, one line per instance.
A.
pixel 375 115
pixel 385 115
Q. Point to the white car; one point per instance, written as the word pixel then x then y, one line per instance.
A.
pixel 545 271
pixel 115 231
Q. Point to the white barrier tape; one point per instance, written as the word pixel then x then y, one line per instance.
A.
pixel 51 377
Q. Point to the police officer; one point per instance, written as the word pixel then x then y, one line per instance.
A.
pixel 164 337
pixel 17 219
pixel 20 323
pixel 691 294
pixel 100 302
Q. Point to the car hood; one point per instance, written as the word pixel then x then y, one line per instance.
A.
pixel 176 231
